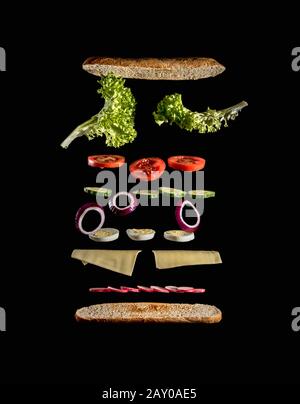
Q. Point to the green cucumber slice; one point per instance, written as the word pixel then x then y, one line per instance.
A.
pixel 94 191
pixel 173 192
pixel 200 193
pixel 145 192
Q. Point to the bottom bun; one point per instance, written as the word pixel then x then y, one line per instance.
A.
pixel 149 313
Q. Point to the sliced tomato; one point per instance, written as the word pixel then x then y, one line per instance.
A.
pixel 106 161
pixel 147 169
pixel 186 163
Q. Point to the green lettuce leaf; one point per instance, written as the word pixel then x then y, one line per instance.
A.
pixel 115 120
pixel 171 110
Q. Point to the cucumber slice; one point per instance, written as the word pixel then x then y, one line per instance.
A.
pixel 200 193
pixel 173 192
pixel 145 192
pixel 94 191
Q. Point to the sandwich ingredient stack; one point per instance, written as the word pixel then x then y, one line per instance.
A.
pixel 116 121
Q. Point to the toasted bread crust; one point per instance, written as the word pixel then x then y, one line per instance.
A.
pixel 192 68
pixel 149 313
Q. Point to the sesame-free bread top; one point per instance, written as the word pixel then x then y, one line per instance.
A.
pixel 191 68
pixel 149 312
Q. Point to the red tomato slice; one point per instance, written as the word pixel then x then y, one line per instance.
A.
pixel 147 169
pixel 106 161
pixel 186 163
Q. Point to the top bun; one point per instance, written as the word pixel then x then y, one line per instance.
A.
pixel 191 68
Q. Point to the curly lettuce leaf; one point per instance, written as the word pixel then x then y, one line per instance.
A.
pixel 171 110
pixel 115 120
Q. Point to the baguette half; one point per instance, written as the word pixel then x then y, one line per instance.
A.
pixel 192 68
pixel 149 313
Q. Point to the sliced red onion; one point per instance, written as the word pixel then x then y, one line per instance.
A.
pixel 133 203
pixel 83 211
pixel 181 222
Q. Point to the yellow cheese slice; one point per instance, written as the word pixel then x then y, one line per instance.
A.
pixel 178 258
pixel 121 261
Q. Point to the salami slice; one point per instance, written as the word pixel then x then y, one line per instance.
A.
pixel 145 289
pixel 151 289
pixel 117 290
pixel 129 289
pixel 100 290
pixel 159 289
pixel 172 289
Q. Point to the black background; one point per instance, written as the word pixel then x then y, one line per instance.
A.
pixel 251 165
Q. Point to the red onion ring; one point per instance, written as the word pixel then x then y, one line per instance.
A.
pixel 133 203
pixel 83 211
pixel 181 222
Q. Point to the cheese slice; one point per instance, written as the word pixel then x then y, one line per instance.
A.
pixel 178 258
pixel 121 261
